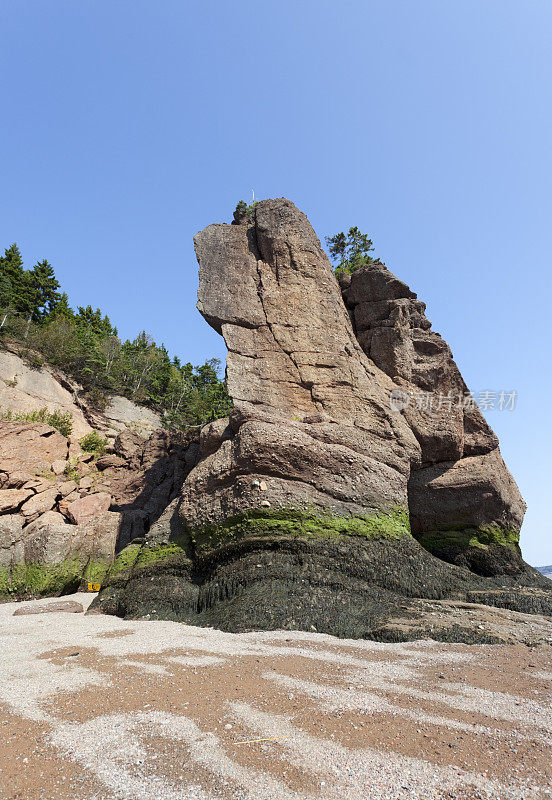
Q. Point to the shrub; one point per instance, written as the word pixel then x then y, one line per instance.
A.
pixel 94 443
pixel 62 421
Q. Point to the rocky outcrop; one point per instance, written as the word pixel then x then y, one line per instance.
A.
pixel 65 513
pixel 24 389
pixel 122 414
pixel 299 511
pixel 464 505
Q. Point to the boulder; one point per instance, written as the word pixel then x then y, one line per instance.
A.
pixel 40 503
pixel 58 466
pixel 16 480
pixel 110 460
pixel 12 499
pixel 11 541
pixel 57 607
pixel 30 446
pixel 65 488
pixel 88 507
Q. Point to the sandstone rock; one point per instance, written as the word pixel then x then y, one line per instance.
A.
pixel 58 466
pixel 392 327
pixel 17 480
pixel 63 505
pixel 48 540
pixel 66 488
pixel 129 446
pixel 298 510
pixel 107 461
pixel 57 607
pixel 86 483
pixel 12 499
pixel 88 507
pixel 255 282
pixel 39 485
pixel 11 540
pixel 23 389
pixel 30 446
pixel 84 468
pixel 40 503
pixel 462 482
pixel 121 413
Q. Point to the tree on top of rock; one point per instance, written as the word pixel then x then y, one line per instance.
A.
pixel 349 251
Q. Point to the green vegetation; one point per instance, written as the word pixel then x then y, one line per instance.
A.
pixel 50 579
pixel 298 523
pixel 71 472
pixel 242 208
pixel 85 345
pixel 437 542
pixel 94 443
pixel 284 522
pixel 61 421
pixel 350 251
pixel 122 566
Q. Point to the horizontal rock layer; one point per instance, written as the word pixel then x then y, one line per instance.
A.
pixel 301 509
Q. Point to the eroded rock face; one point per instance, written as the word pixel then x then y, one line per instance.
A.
pixel 312 416
pixel 462 492
pixel 24 389
pixel 298 513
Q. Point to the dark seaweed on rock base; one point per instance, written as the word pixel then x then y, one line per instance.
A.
pixel 315 505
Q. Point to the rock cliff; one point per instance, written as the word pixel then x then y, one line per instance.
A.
pixel 65 512
pixel 329 499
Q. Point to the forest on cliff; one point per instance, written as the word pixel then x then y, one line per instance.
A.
pixel 36 315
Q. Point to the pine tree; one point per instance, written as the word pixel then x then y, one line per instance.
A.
pixel 61 309
pixel 351 251
pixel 42 287
pixel 11 281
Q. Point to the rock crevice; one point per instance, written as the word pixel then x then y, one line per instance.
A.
pixel 301 509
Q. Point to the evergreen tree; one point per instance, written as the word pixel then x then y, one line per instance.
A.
pixel 100 325
pixel 11 278
pixel 349 251
pixel 86 345
pixel 61 309
pixel 41 288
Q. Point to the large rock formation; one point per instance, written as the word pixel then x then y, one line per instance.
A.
pixel 65 513
pixel 299 512
pixel 464 505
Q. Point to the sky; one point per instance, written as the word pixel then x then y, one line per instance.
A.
pixel 127 126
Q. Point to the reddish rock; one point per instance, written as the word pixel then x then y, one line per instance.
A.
pixel 65 606
pixel 11 499
pixel 16 480
pixel 30 446
pixel 67 487
pixel 59 465
pixel 88 507
pixel 107 461
pixel 64 504
pixel 40 503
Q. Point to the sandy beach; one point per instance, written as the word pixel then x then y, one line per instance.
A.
pixel 96 708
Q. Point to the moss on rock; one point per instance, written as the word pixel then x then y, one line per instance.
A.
pixel 486 550
pixel 298 523
pixel 28 580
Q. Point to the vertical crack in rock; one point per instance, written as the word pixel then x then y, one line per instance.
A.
pixel 299 511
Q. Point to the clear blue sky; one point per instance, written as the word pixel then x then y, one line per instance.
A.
pixel 129 125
